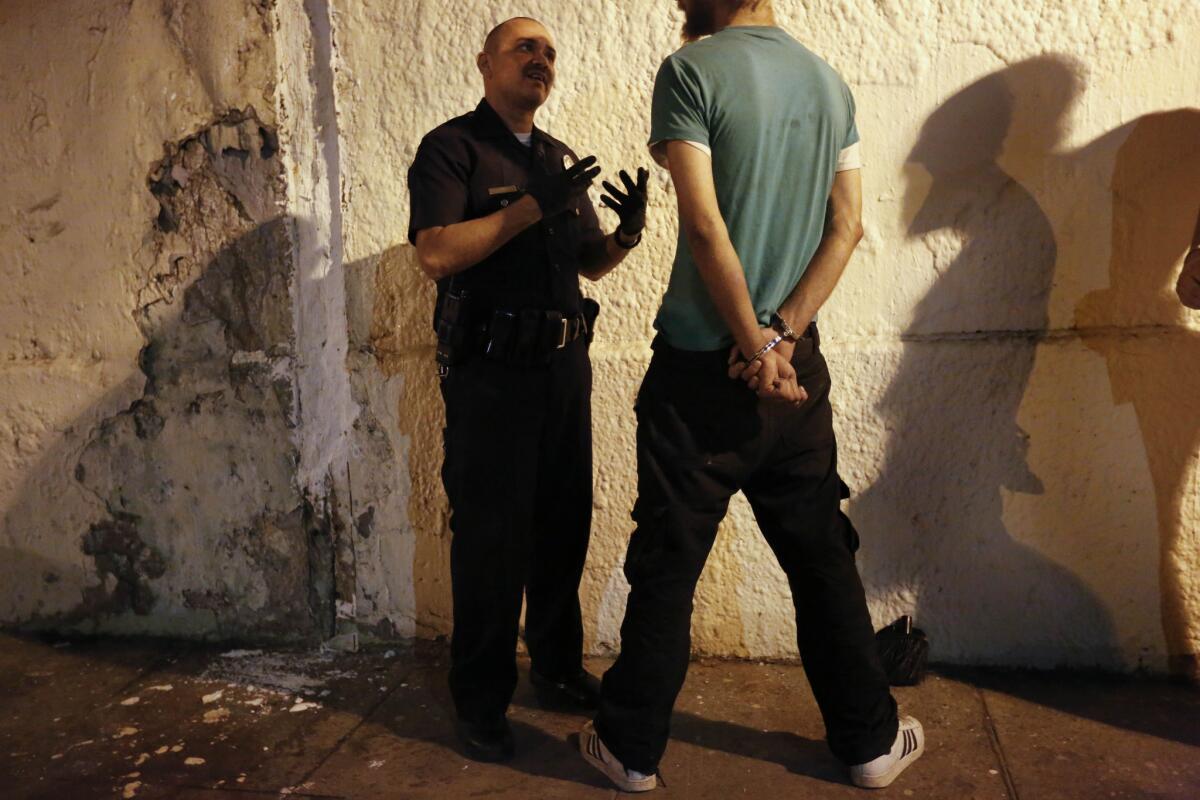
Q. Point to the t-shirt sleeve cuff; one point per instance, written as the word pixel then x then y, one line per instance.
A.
pixel 658 148
pixel 850 158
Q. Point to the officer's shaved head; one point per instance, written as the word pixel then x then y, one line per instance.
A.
pixel 494 35
pixel 517 64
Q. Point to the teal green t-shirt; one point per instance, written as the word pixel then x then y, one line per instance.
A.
pixel 775 118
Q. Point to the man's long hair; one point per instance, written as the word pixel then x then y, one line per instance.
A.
pixel 702 20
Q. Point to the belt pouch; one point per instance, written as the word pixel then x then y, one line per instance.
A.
pixel 552 333
pixel 454 328
pixel 502 333
pixel 529 331
pixel 591 310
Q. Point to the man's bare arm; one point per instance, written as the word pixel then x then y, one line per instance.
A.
pixel 448 250
pixel 718 263
pixel 721 270
pixel 843 232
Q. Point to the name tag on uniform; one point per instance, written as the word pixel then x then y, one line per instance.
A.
pixel 495 190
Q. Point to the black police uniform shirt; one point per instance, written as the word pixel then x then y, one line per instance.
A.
pixel 473 166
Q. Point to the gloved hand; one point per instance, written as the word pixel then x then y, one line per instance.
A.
pixel 629 205
pixel 554 193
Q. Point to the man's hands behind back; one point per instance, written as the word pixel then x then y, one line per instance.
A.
pixel 771 377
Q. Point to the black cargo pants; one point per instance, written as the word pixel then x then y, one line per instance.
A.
pixel 701 437
pixel 518 474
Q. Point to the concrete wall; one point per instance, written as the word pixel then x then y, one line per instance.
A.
pixel 1013 399
pixel 218 409
pixel 156 467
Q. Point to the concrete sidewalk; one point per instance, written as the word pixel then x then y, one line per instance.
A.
pixel 159 720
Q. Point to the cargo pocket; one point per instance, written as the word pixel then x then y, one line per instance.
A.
pixel 647 543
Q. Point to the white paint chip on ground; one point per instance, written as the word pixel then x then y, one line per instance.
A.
pixel 142 759
pixel 303 707
pixel 256 702
pixel 177 748
pixel 376 764
pixel 212 698
pixel 163 687
pixel 193 761
pixel 131 790
pixel 121 734
pixel 131 701
pixel 216 715
pixel 161 750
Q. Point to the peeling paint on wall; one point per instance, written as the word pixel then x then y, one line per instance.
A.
pixel 203 465
pixel 156 405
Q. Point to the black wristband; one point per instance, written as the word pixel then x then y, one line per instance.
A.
pixel 636 240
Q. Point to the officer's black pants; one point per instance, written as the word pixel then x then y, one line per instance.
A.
pixel 700 438
pixel 518 474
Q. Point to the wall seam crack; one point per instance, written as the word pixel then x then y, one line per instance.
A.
pixel 997 747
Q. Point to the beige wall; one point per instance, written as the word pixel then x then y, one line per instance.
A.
pixel 218 410
pixel 156 462
pixel 1012 392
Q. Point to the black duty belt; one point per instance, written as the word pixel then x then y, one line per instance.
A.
pixel 530 336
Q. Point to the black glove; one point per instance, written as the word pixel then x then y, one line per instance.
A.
pixel 554 193
pixel 629 205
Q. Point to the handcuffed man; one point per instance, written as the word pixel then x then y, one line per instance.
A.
pixel 760 139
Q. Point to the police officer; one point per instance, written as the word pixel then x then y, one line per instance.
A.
pixel 502 222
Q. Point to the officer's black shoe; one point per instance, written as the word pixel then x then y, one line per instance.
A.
pixel 485 741
pixel 580 692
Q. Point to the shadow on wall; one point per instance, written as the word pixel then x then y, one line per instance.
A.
pixel 1155 193
pixel 391 342
pixel 190 521
pixel 954 444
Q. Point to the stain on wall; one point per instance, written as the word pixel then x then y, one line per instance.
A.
pixel 203 464
pixel 144 330
pixel 125 565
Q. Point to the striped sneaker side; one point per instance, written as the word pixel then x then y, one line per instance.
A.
pixel 595 753
pixel 906 749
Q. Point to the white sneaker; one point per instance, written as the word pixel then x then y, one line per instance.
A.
pixel 908 747
pixel 596 754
